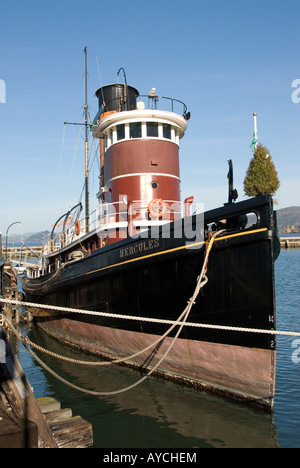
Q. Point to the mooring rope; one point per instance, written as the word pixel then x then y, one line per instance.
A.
pixel 148 319
pixel 201 281
pixel 26 340
pixel 181 322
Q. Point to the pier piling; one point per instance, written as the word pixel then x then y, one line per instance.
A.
pixel 22 424
pixel 9 290
pixel 290 242
pixel 27 422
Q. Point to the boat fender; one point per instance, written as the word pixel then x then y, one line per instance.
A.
pixel 157 208
pixel 77 228
pixel 62 240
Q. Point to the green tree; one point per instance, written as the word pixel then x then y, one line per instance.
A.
pixel 261 177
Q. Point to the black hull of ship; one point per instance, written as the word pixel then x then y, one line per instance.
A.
pixel 154 278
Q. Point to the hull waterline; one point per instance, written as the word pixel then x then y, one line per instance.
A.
pixel 154 278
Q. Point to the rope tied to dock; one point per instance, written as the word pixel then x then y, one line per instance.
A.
pixel 181 322
pixel 201 281
pixel 152 320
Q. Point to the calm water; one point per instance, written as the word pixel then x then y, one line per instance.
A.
pixel 161 414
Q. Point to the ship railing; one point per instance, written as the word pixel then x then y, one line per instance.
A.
pixel 92 223
pixel 136 216
pixel 48 248
pixel 150 102
pixel 174 208
pixel 40 269
pixel 72 233
pixel 131 218
pixel 162 103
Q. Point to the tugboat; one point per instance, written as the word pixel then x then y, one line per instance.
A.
pixel 136 261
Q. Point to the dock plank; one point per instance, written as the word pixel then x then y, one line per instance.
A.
pixel 72 433
pixel 290 242
pixel 48 404
pixel 59 415
pixel 18 393
pixel 29 422
pixel 68 431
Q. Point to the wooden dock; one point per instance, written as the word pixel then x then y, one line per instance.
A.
pixel 9 290
pixel 29 423
pixel 69 431
pixel 14 252
pixel 290 242
pixel 22 424
pixel 24 421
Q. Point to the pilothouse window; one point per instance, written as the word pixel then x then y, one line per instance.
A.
pixel 135 130
pixel 120 132
pixel 167 131
pixel 152 129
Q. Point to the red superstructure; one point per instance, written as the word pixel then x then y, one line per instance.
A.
pixel 140 179
pixel 112 282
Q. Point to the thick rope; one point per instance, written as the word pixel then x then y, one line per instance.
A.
pixel 25 339
pixel 148 319
pixel 181 322
pixel 201 281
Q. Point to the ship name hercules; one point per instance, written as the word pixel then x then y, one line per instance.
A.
pixel 139 248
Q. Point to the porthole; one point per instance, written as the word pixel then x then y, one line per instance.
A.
pixel 154 184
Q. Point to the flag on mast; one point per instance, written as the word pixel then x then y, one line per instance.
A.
pixel 254 141
pixel 63 222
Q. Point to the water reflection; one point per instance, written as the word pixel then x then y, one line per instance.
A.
pixel 155 414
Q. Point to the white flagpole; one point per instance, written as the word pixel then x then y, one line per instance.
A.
pixel 254 141
pixel 255 123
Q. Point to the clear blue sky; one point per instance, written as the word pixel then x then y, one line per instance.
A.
pixel 224 59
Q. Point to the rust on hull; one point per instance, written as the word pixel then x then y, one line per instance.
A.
pixel 246 374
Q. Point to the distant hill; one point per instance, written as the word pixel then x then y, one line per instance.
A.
pixel 38 237
pixel 288 217
pixel 285 217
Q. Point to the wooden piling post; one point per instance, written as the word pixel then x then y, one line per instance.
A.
pixel 29 423
pixel 16 390
pixel 69 431
pixel 10 291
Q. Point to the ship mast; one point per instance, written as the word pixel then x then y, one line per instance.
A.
pixel 86 146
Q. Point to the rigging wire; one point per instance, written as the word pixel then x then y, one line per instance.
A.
pixel 91 164
pixel 72 167
pixel 59 170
